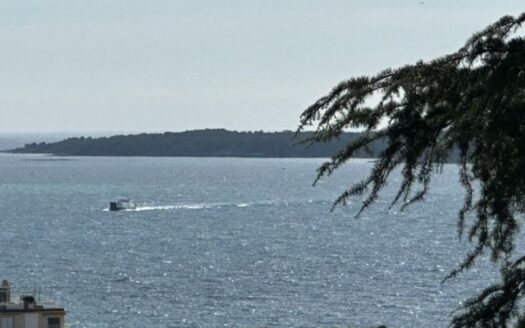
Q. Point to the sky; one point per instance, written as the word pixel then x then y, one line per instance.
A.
pixel 170 65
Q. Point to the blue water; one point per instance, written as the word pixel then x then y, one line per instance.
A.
pixel 227 242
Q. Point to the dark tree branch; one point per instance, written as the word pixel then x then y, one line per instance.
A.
pixel 471 101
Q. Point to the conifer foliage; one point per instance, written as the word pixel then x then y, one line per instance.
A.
pixel 471 101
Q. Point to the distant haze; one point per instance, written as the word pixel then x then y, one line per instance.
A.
pixel 19 139
pixel 166 65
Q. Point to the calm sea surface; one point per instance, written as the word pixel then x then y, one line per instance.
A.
pixel 227 242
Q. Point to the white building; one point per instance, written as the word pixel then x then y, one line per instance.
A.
pixel 26 313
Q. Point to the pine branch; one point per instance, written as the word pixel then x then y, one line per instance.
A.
pixel 471 101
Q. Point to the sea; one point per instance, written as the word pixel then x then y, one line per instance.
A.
pixel 229 242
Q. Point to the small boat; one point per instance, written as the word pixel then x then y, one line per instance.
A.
pixel 122 204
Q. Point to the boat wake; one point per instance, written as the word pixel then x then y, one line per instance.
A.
pixel 201 206
pixel 196 206
pixel 174 207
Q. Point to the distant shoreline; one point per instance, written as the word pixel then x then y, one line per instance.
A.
pixel 72 158
pixel 199 143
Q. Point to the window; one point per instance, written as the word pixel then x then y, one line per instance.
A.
pixel 52 323
pixel 7 322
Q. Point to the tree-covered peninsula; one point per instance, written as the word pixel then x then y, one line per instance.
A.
pixel 200 143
